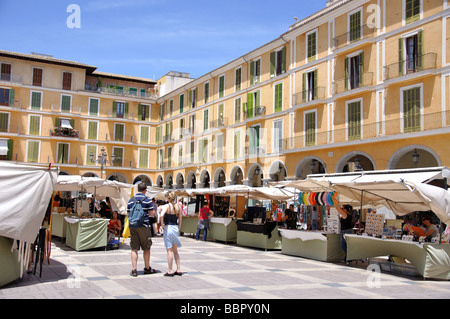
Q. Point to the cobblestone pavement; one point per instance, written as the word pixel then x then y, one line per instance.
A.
pixel 212 270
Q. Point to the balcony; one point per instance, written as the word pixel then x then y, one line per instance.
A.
pixel 120 92
pixel 353 82
pixel 307 96
pixel 64 132
pixel 10 79
pixel 218 123
pixel 353 36
pixel 423 62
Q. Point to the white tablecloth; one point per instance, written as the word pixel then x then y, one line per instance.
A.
pixel 303 235
pixel 217 220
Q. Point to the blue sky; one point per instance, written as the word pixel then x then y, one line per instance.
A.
pixel 149 38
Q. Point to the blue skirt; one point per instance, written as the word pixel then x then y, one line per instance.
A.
pixel 171 236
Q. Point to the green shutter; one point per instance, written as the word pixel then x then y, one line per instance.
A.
pixel 316 91
pixel 283 60
pixel 35 122
pixel 258 98
pixel 144 135
pixel 400 57
pixel 249 105
pixel 361 68
pixel 278 97
pixel 114 109
pixel 304 88
pixel 11 97
pixel 221 86
pixel 10 150
pixel 93 107
pixel 346 73
pixel 125 116
pixel 195 97
pixel 33 152
pixel 65 103
pixel 252 72
pixel 35 100
pixel 181 103
pixel 92 130
pixel 420 50
pixel 140 112
pixel 272 63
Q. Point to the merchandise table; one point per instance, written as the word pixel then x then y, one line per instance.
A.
pixel 59 225
pixel 311 244
pixel 9 264
pixel 430 259
pixel 223 229
pixel 265 236
pixel 83 234
pixel 189 225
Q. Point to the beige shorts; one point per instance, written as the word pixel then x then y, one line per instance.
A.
pixel 141 238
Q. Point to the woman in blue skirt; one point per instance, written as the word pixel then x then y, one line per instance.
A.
pixel 171 218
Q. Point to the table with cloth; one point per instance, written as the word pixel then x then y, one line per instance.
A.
pixel 310 244
pixel 84 234
pixel 432 260
pixel 223 229
pixel 189 225
pixel 265 236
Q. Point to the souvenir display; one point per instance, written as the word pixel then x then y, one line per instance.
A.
pixel 375 224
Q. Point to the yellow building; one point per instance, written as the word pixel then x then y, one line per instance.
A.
pixel 358 85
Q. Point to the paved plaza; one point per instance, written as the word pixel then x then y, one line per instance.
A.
pixel 212 270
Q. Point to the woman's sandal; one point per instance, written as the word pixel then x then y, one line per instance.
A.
pixel 149 271
pixel 178 273
pixel 168 275
pixel 133 273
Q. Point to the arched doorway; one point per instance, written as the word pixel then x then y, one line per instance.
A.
pixel 355 161
pixel 219 177
pixel 237 175
pixel 143 178
pixel 414 156
pixel 277 171
pixel 309 165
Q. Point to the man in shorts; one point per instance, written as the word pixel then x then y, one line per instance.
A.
pixel 141 238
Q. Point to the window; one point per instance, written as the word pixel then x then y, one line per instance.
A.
pixel 193 98
pixel 278 62
pixel 33 148
pixel 118 153
pixel 6 97
pixel 62 153
pixel 221 86
pixel 36 100
pixel 180 155
pixel 34 125
pixel 144 134
pixel 170 108
pixel 37 77
pixel 203 150
pixel 144 112
pixel 169 157
pixel 253 139
pixel 92 130
pixel 220 115
pixel 255 71
pixel 192 151
pixel 205 120
pixel 67 81
pixel 94 106
pixel 143 157
pixel 119 132
pixel 411 109
pixel 354 71
pixel 132 91
pixel 355 28
pixel 168 132
pixel 91 149
pixel 310 128
pixel 181 103
pixel 206 92
pixel 161 111
pixel 237 143
pixel 4 122
pixel 120 109
pixel 192 123
pixel 182 127
pixel 309 86
pixel 277 135
pixel 158 135
pixel 412 10
pixel 411 53
pixel 219 147
pixel 237 79
pixel 311 46
pixel 278 97
pixel 253 103
pixel 159 158
pixel 66 103
pixel 5 72
pixel 237 110
pixel 354 118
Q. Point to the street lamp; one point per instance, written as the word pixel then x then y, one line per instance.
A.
pixel 102 159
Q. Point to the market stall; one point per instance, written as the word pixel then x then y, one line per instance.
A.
pixel 259 235
pixel 24 201
pixel 84 234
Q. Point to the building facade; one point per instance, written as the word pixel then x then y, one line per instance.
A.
pixel 359 85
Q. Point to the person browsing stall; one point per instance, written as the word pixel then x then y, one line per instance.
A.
pixel 203 220
pixel 346 224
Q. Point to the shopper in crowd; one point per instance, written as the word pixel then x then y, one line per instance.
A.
pixel 346 224
pixel 203 220
pixel 141 237
pixel 431 229
pixel 171 219
pixel 115 225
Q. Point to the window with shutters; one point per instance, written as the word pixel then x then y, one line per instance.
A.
pixel 161 111
pixel 4 122
pixel 253 103
pixel 192 151
pixel 310 124
pixel 278 62
pixel 91 150
pixel 120 109
pixel 255 71
pixel 66 103
pixel 221 86
pixel 143 158
pixel 171 108
pixel 309 86
pixel 5 72
pixel 34 124
pixel 144 134
pixel 237 79
pixel 203 150
pixel 355 26
pixel 205 120
pixel 206 92
pixel 354 71
pixel 67 81
pixel 192 123
pixel 237 110
pixel 158 135
pixel 311 46
pixel 37 77
pixel 277 142
pixel 143 112
pixel 237 144
pixel 411 53
pixel 118 153
pixel 6 97
pixel 180 155
pixel 94 104
pixel 35 100
pixel 33 149
pixel 92 130
pixel 278 97
pixel 119 132
pixel 169 156
pixel 254 139
pixel 62 153
pixel 354 119
pixel 181 103
pixel 182 127
pixel 220 143
pixel 193 98
pixel 412 10
pixel 412 100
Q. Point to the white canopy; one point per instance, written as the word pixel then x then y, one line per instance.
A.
pixel 119 193
pixel 24 198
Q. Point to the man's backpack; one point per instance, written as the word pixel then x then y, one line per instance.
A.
pixel 136 215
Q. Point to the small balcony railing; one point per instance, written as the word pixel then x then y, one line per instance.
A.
pixel 353 82
pixel 306 96
pixel 353 36
pixel 419 63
